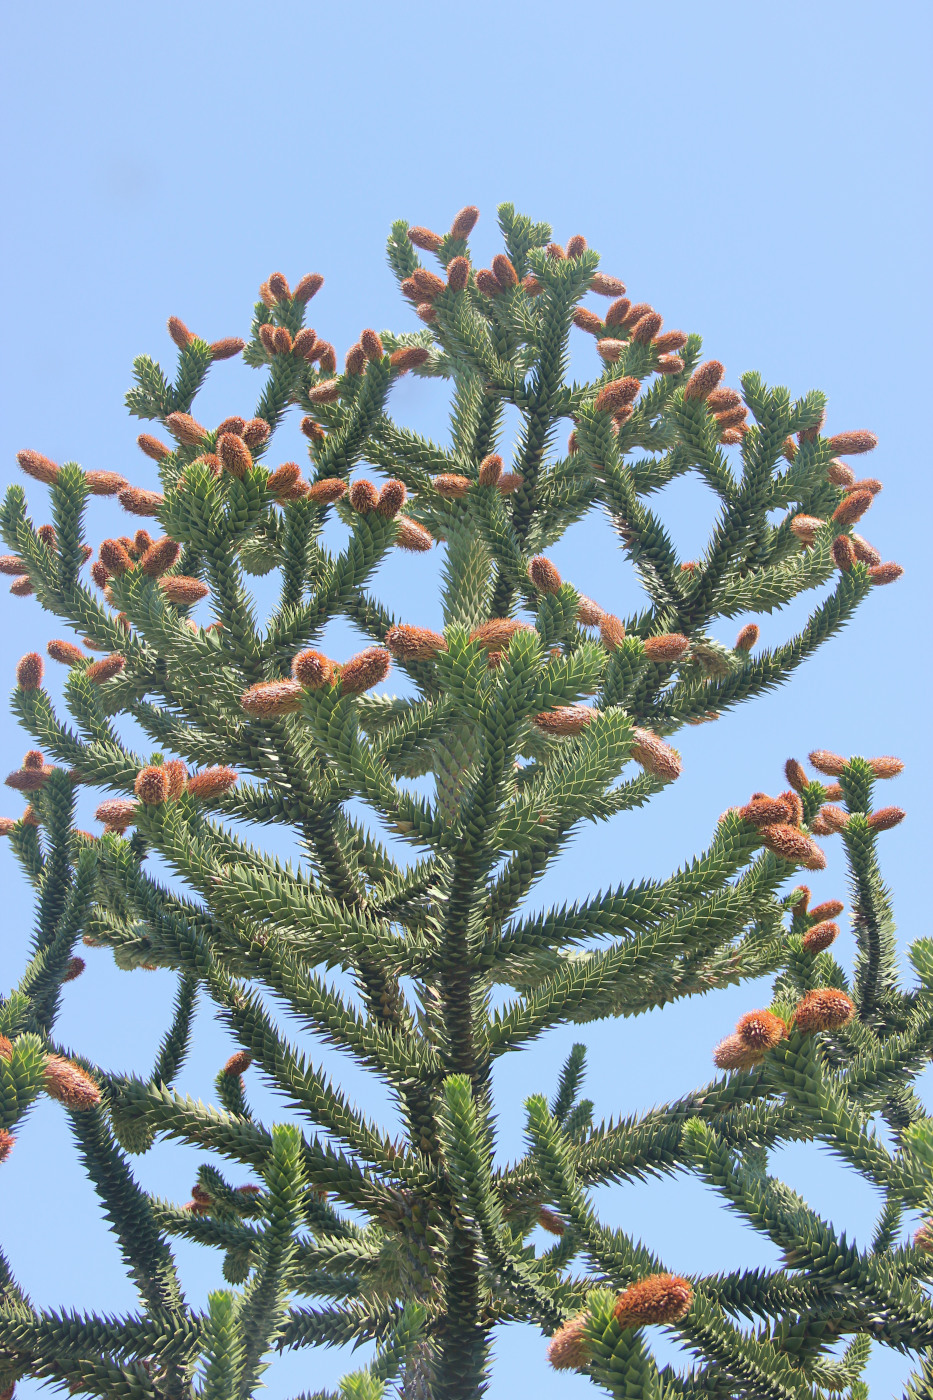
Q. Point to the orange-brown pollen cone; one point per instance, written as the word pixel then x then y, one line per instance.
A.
pixel 885 573
pixel 733 1053
pixel 458 274
pixel 106 668
pixel 234 454
pixel 565 719
pixel 605 285
pixel 364 496
pixel 544 575
pixel 269 699
pixel 656 757
pixel 408 357
pixel 365 670
pixel 423 238
pixel 668 647
pixel 160 556
pixel 490 470
pixel 183 591
pixel 411 643
pixel 29 671
pixel 313 670
pixel 327 490
pixel 38 467
pixel 886 817
pixel 852 507
pixel 465 222
pixel 659 1298
pixel 150 786
pixel 69 1084
pixel 704 380
pixel 498 632
pixel 858 441
pixel 760 1030
pixel 618 394
pixel 568 1349
pixel 412 536
pixel 115 558
pixel 185 428
pixel 105 483
pixel 451 486
pixel 391 498
pixel 824 1009
pixel 238 1063
pixel 212 782
pixel 747 638
pixel 372 346
pixel 820 936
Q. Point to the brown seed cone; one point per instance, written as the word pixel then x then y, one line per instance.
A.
pixel 70 1084
pixel 656 757
pixel 865 553
pixel 732 417
pixel 40 468
pixel 313 670
pixel 179 332
pixel 364 496
pixel 284 480
pixel 65 652
pixel 29 671
pixel 183 591
pixel 159 556
pixel 327 490
pixel 106 668
pixel 704 380
pixel 22 587
pixel 309 286
pixel 465 222
pixel 427 284
pixel 747 638
pixel 617 312
pixel 806 527
pixel 423 238
pixel 588 321
pixel 610 349
pixel 105 483
pixel 412 536
pixel 544 575
pixel 885 818
pixel 139 502
pixel 234 454
pixel 606 286
pixel 176 776
pixel 824 1009
pixel 831 764
pixel 790 844
pixel 840 473
pixel 498 632
pixel 211 782
pixel 883 573
pixel 852 507
pixel 565 719
pixel 451 487
pixel 227 347
pixel 611 631
pixel 458 274
pixel 411 643
pixel 760 1030
pixel 670 646
pixel 589 614
pixel 278 286
pixel 568 1349
pixel 658 1298
pixel 365 670
pixel 820 936
pixel 151 786
pixel 843 553
pixel 576 246
pixel 408 357
pixel 355 361
pixel 270 699
pixel 11 564
pixel 858 441
pixel 328 391
pixel 490 470
pixel 733 1053
pixel 504 272
pixel 185 428
pixel 646 328
pixel 391 498
pixel 373 348
pixel 618 394
pixel 115 558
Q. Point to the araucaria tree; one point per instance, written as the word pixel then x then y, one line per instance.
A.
pixel 535 710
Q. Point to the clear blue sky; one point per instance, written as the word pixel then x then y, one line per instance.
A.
pixel 756 171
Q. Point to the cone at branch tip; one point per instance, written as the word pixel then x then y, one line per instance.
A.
pixel 411 643
pixel 659 1298
pixel 568 1349
pixel 656 757
pixel 29 671
pixel 824 1009
pixel 820 936
pixel 313 670
pixel 270 699
pixel 365 670
pixel 544 575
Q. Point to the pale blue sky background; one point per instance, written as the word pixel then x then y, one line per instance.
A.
pixel 758 172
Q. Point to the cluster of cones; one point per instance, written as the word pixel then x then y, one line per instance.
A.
pixel 830 817
pixel 62 1080
pixel 757 1032
pixel 655 1300
pixel 163 782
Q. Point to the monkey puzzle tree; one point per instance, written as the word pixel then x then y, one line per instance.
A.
pixel 534 710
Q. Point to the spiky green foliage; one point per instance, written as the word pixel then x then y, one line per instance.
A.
pixel 518 725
